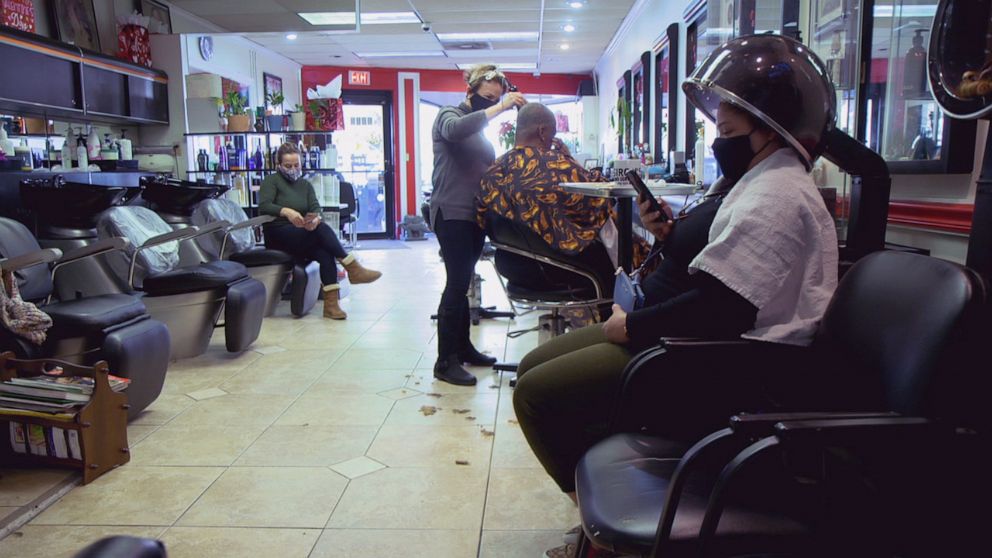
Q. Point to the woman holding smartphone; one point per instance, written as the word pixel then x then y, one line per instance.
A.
pixel 298 229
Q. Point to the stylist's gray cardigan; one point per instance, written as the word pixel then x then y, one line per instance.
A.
pixel 461 156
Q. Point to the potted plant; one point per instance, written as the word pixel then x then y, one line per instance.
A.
pixel 298 118
pixel 236 112
pixel 275 121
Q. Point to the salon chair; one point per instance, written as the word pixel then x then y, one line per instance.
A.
pixel 112 327
pixel 274 268
pixel 187 299
pixel 865 446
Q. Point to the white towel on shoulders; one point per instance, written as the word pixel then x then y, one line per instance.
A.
pixel 774 243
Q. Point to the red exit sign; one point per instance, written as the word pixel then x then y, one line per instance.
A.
pixel 356 77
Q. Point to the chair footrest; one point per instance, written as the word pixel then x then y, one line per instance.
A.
pixel 506 366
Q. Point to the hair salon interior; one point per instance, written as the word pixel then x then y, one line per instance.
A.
pixel 439 278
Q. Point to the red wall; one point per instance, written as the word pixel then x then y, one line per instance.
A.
pixel 386 79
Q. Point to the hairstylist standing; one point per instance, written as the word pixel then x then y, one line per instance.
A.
pixel 461 156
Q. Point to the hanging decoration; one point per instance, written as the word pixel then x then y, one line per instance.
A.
pixel 133 43
pixel 18 14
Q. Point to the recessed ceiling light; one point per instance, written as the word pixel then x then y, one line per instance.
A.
pixel 291 36
pixel 506 66
pixel 576 4
pixel 489 36
pixel 568 28
pixel 368 18
pixel 399 54
pixel 565 46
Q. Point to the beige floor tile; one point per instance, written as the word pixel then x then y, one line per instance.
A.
pixel 399 393
pixel 217 360
pixel 182 382
pixel 198 445
pixel 63 541
pixel 307 446
pixel 377 359
pixel 225 542
pixel 259 379
pixel 451 410
pixel 320 337
pixel 518 544
pixel 393 341
pixel 431 446
pixel 510 449
pixel 268 497
pixel 449 498
pixel 338 543
pixel 136 433
pixel 357 467
pixel 19 487
pixel 316 358
pixel 6 512
pixel 258 410
pixel 132 495
pixel 337 380
pixel 166 408
pixel 208 393
pixel 424 380
pixel 268 349
pixel 527 499
pixel 347 409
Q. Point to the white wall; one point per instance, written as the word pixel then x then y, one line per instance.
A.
pixel 645 26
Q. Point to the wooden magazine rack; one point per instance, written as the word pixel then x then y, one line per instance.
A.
pixel 101 423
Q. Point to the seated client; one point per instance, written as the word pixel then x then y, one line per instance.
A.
pixel 524 185
pixel 298 229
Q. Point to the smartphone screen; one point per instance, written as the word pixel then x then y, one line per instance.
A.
pixel 642 191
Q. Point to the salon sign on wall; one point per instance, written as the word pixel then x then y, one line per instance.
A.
pixel 18 14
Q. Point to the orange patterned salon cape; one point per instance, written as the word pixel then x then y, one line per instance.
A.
pixel 523 185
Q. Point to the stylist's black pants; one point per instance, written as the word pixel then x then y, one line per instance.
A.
pixel 320 245
pixel 461 245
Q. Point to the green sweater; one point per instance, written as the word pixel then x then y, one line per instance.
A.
pixel 276 193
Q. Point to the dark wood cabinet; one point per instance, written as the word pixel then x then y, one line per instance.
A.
pixel 39 82
pixel 147 99
pixel 105 91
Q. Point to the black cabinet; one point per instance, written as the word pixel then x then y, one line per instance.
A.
pixel 50 79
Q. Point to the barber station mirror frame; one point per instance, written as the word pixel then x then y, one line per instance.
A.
pixel 666 92
pixel 957 151
pixel 694 15
pixel 641 102
pixel 624 86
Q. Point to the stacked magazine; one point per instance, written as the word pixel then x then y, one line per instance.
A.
pixel 50 393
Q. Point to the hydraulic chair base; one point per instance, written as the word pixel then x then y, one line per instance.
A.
pixel 190 318
pixel 274 278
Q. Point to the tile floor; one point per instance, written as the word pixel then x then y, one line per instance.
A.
pixel 320 443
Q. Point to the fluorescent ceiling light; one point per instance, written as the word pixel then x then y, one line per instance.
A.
pixel 398 54
pixel 291 36
pixel 506 66
pixel 565 46
pixel 489 36
pixel 568 28
pixel 377 18
pixel 368 18
pixel 576 4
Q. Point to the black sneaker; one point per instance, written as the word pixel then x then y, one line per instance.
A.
pixel 451 371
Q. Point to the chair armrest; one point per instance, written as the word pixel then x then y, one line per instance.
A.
pixel 879 432
pixel 251 223
pixel 178 234
pixel 31 259
pixel 763 424
pixel 90 250
pixel 210 228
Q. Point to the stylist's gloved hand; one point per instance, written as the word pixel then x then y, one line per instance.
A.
pixel 616 327
pixel 293 215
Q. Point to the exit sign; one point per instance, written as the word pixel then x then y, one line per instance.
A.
pixel 356 77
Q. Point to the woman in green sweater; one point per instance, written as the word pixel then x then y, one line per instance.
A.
pixel 299 231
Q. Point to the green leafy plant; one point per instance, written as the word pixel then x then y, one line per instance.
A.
pixel 297 108
pixel 275 99
pixel 235 104
pixel 621 117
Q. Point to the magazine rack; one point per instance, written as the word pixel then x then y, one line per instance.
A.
pixel 101 424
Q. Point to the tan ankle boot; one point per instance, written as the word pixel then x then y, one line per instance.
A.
pixel 331 308
pixel 358 274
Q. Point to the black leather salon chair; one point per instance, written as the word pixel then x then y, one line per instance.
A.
pixel 124 547
pixel 112 327
pixel 187 299
pixel 274 268
pixel 539 277
pixel 881 456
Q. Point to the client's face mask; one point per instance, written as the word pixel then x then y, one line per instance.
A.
pixel 734 154
pixel 292 174
pixel 479 102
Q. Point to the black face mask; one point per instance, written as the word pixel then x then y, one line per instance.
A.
pixel 733 155
pixel 479 102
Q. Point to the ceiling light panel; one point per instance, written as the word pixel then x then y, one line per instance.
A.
pixel 368 18
pixel 400 54
pixel 493 36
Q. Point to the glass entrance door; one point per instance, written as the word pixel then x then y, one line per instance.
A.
pixel 365 159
